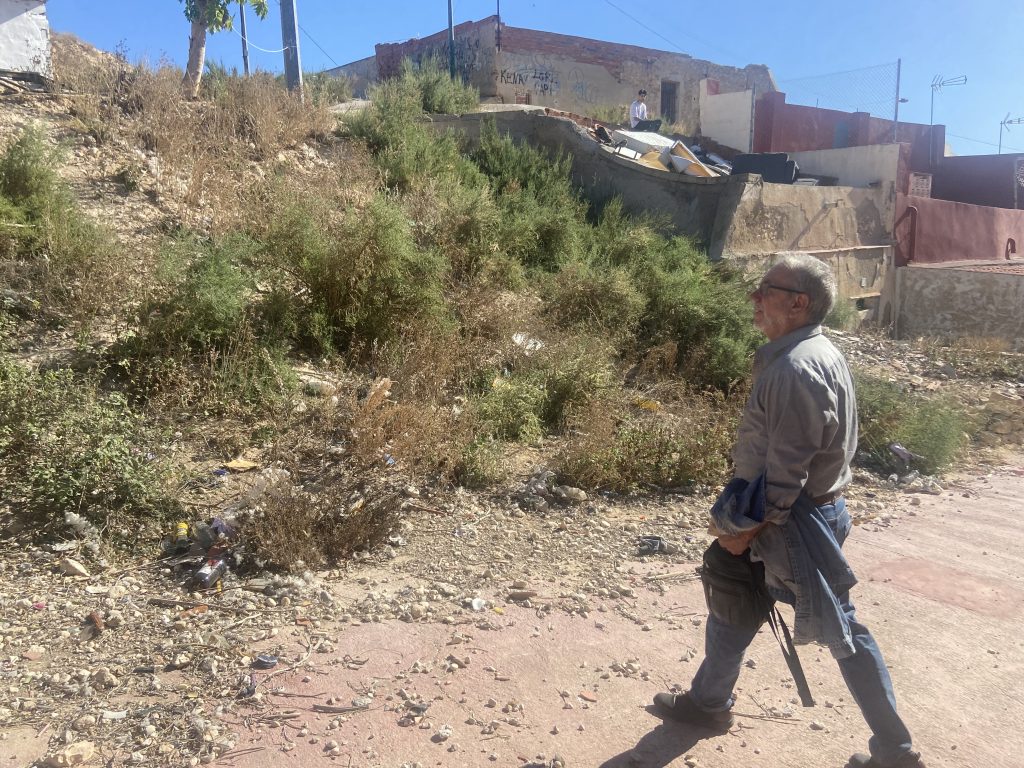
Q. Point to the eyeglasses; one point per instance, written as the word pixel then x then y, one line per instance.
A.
pixel 766 286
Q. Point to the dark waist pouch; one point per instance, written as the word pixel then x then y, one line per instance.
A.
pixel 734 588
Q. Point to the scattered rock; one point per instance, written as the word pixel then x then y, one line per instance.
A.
pixel 71 567
pixel 74 754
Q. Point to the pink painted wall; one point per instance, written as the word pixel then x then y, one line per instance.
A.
pixel 946 231
pixel 782 127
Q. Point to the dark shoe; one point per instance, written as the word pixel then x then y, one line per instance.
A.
pixel 909 760
pixel 679 706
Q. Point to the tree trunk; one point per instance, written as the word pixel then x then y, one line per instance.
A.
pixel 196 56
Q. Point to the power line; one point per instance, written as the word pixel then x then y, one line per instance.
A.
pixel 655 32
pixel 652 31
pixel 987 143
pixel 253 45
pixel 844 72
pixel 314 42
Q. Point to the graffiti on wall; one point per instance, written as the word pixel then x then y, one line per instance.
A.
pixel 471 56
pixel 543 82
pixel 581 88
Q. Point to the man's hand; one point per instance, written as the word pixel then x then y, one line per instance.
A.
pixel 738 544
pixel 735 545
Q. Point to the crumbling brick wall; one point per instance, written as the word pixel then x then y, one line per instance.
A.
pixel 584 76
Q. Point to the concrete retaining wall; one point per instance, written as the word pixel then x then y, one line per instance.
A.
pixel 874 165
pixel 362 73
pixel 757 218
pixel 960 302
pixel 690 204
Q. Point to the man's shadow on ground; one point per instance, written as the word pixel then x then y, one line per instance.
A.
pixel 659 747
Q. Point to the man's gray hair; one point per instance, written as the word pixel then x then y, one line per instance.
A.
pixel 815 278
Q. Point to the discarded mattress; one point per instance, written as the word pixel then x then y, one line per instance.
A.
pixel 642 141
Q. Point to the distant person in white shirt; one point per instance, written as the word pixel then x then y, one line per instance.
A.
pixel 638 115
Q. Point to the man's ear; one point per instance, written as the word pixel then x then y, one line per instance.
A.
pixel 801 302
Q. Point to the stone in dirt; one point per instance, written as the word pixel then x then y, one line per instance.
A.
pixel 75 754
pixel 71 567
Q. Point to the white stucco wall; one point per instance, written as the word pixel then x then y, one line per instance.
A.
pixel 24 37
pixel 727 117
pixel 852 166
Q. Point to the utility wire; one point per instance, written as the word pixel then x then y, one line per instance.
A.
pixel 311 39
pixel 987 143
pixel 314 42
pixel 253 45
pixel 655 32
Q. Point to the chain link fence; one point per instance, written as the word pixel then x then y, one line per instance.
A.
pixel 870 89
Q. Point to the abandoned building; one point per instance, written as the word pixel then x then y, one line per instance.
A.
pixel 573 74
pixel 24 40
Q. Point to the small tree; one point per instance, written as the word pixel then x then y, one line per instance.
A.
pixel 208 16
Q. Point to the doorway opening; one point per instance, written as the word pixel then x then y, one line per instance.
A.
pixel 670 101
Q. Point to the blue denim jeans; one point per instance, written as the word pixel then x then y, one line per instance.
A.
pixel 865 672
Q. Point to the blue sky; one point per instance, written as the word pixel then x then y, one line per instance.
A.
pixel 800 41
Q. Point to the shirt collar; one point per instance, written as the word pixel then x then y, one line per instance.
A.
pixel 767 353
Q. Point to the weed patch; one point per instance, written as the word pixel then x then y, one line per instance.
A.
pixel 60 257
pixel 296 528
pixel 933 428
pixel 66 447
pixel 618 445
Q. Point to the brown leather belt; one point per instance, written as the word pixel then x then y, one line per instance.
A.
pixel 828 498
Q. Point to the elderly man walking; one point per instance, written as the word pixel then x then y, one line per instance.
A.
pixel 797 436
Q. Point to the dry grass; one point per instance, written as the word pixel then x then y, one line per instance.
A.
pixel 662 437
pixel 311 528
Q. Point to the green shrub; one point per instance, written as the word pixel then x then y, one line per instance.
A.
pixel 325 89
pixel 65 447
pixel 65 260
pixel 205 335
pixel 843 316
pixel 617 447
pixel 605 301
pixel 460 221
pixel 208 294
pixel 512 410
pixel 542 222
pixel 439 94
pixel 610 114
pixel 408 151
pixel 572 374
pixel 483 464
pixel 931 427
pixel 362 275
pixel 28 174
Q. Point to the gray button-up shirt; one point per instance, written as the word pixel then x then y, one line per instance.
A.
pixel 799 427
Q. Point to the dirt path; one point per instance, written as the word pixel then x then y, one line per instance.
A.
pixel 942 590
